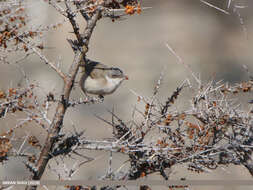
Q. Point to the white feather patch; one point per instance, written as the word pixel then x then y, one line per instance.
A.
pixel 96 86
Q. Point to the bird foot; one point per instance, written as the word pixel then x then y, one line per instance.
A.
pixel 101 97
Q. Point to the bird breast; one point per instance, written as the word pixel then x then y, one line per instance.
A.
pixel 101 86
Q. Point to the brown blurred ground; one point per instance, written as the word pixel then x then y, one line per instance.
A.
pixel 212 43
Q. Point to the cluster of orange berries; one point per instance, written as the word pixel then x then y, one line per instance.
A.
pixel 5 146
pixel 131 9
pixel 242 87
pixel 14 21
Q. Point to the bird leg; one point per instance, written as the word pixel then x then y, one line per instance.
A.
pixel 101 97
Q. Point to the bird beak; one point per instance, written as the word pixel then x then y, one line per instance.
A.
pixel 126 77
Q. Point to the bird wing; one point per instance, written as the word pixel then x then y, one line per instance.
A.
pixel 96 70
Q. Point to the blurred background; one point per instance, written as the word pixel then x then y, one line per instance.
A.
pixel 214 44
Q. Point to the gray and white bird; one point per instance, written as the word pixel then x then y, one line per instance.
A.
pixel 100 79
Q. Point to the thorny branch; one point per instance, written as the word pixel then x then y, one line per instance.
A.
pixel 56 125
pixel 221 133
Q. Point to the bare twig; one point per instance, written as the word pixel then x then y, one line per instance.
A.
pixel 215 7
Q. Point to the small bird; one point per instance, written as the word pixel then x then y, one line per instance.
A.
pixel 100 79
